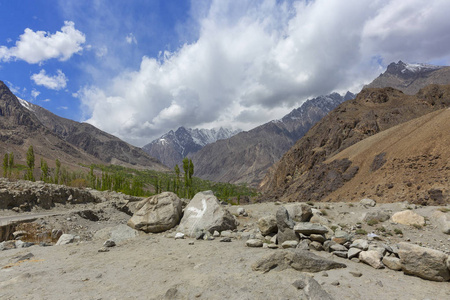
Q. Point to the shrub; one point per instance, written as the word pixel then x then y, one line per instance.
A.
pixel 372 222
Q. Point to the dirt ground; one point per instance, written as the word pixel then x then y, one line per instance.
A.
pixel 156 266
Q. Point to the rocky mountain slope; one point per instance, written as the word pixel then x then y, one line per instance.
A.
pixel 19 128
pixel 408 162
pixel 410 78
pixel 23 124
pixel 105 147
pixel 245 157
pixel 173 146
pixel 302 175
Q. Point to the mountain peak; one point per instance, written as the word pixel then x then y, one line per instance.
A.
pixel 403 69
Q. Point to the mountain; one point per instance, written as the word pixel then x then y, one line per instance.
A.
pixel 410 78
pixel 302 174
pixel 23 124
pixel 19 128
pixel 172 147
pixel 246 156
pixel 408 162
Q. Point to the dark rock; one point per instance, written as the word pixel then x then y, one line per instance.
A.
pixel 285 226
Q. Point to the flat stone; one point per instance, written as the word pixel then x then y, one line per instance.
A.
pixel 289 244
pixel 368 202
pixel 342 254
pixel 225 240
pixel 109 243
pixel 356 274
pixel 254 243
pixel 338 247
pixel 408 217
pixel 353 252
pixel 310 228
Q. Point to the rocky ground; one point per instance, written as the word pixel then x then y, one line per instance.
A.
pixel 158 266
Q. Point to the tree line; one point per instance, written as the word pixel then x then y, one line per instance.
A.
pixel 126 180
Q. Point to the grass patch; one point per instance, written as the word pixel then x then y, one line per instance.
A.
pixel 361 232
pixel 417 226
pixel 351 205
pixel 398 231
pixel 334 227
pixel 372 222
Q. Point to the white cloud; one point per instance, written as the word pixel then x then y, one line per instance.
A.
pixel 56 82
pixel 131 39
pixel 256 60
pixel 35 93
pixel 36 47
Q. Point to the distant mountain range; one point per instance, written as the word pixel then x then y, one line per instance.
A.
pixel 23 124
pixel 246 156
pixel 173 146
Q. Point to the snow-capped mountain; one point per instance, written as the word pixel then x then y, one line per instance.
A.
pixel 411 77
pixel 173 146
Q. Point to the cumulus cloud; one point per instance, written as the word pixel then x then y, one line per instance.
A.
pixel 35 93
pixel 131 39
pixel 38 46
pixel 55 82
pixel 255 60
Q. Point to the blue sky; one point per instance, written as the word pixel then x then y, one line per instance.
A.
pixel 138 69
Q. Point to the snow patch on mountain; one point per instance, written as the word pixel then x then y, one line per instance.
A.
pixel 26 104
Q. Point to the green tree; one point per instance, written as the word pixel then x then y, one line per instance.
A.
pixel 30 164
pixel 11 163
pixel 177 179
pixel 5 165
pixel 44 170
pixel 57 171
pixel 188 167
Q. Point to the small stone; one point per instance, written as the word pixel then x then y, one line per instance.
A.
pixel 109 243
pixel 289 244
pixel 254 243
pixel 179 236
pixel 335 283
pixel 338 247
pixel 353 252
pixel 368 202
pixel 303 245
pixel 324 274
pixel 191 243
pixel 317 238
pixel 225 240
pixel 356 274
pixel 342 254
pixel 216 233
pixel 355 260
pixel 103 249
pixel 316 246
pixel 372 258
pixel 392 263
pixel 240 211
pixel 272 246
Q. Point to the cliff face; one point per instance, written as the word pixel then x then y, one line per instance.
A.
pixel 301 174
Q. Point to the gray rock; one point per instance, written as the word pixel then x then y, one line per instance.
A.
pixel 315 291
pixel 356 274
pixel 65 239
pixel 327 244
pixel 56 234
pixel 267 225
pixel 216 233
pixel 443 221
pixel 367 202
pixel 179 236
pixel 299 284
pixel 109 243
pixel 225 240
pixel 372 258
pixel 289 244
pixel 122 233
pixel 392 263
pixel 423 262
pixel 375 216
pixel 157 213
pixel 205 213
pixel 342 254
pixel 317 237
pixel 272 246
pixel 285 226
pixel 103 249
pixel 254 243
pixel 353 252
pixel 299 260
pixel 338 247
pixel 360 244
pixel 314 245
pixel 341 236
pixel 303 245
pixel 310 228
pixel 226 233
pixel 299 212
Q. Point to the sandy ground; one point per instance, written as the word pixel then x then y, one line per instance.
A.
pixel 153 266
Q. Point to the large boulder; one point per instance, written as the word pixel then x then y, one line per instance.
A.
pixel 157 213
pixel 299 212
pixel 204 212
pixel 375 216
pixel 372 258
pixel 285 227
pixel 423 262
pixel 408 217
pixel 300 260
pixel 65 239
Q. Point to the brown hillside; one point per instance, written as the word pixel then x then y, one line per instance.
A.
pixel 300 175
pixel 408 162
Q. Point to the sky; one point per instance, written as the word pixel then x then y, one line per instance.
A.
pixel 137 69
